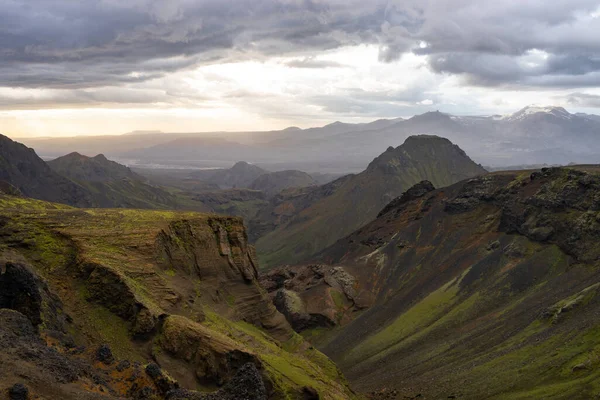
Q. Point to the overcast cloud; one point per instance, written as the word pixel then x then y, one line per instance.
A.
pixel 113 53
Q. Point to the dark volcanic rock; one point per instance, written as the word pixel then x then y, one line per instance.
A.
pixel 18 392
pixel 19 291
pixel 310 393
pixel 246 385
pixel 104 355
pixel 163 382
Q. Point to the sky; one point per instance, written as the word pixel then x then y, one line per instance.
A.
pixel 95 67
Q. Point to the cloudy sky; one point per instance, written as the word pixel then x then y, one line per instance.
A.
pixel 112 66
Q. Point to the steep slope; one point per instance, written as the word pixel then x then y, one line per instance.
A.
pixel 111 184
pixel 486 289
pixel 282 207
pixel 274 182
pixel 359 198
pixel 143 304
pixel 23 169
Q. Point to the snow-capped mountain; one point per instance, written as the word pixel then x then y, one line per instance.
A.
pixel 558 112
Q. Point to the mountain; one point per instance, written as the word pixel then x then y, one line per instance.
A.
pixel 538 111
pixel 359 198
pixel 274 182
pixel 533 135
pixel 112 185
pixel 23 169
pixel 138 304
pixel 241 175
pixel 589 116
pixel 192 149
pixel 484 289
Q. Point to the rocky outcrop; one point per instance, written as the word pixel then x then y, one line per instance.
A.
pixel 208 358
pixel 22 290
pixel 217 253
pixel 415 192
pixel 313 296
pixel 247 384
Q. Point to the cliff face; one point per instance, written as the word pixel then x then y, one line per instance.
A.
pixel 175 289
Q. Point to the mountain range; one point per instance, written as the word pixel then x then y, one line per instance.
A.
pixel 533 135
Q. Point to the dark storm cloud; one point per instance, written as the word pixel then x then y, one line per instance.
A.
pixel 61 43
pixel 97 43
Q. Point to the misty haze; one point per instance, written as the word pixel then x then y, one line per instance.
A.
pixel 299 199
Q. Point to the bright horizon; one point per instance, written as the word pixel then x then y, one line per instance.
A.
pixel 111 68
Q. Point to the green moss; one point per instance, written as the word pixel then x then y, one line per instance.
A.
pixel 170 272
pixel 289 365
pixel 339 299
pixel 111 329
pixel 230 299
pixel 419 316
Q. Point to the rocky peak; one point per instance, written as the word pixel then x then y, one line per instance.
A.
pixel 424 149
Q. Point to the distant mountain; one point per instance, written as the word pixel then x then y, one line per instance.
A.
pixel 532 111
pixel 533 135
pixel 193 149
pixel 358 199
pixel 91 169
pixel 21 168
pixel 589 116
pixel 133 133
pixel 241 175
pixel 274 182
pixel 112 184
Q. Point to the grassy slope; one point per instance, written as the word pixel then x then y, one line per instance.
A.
pixel 59 241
